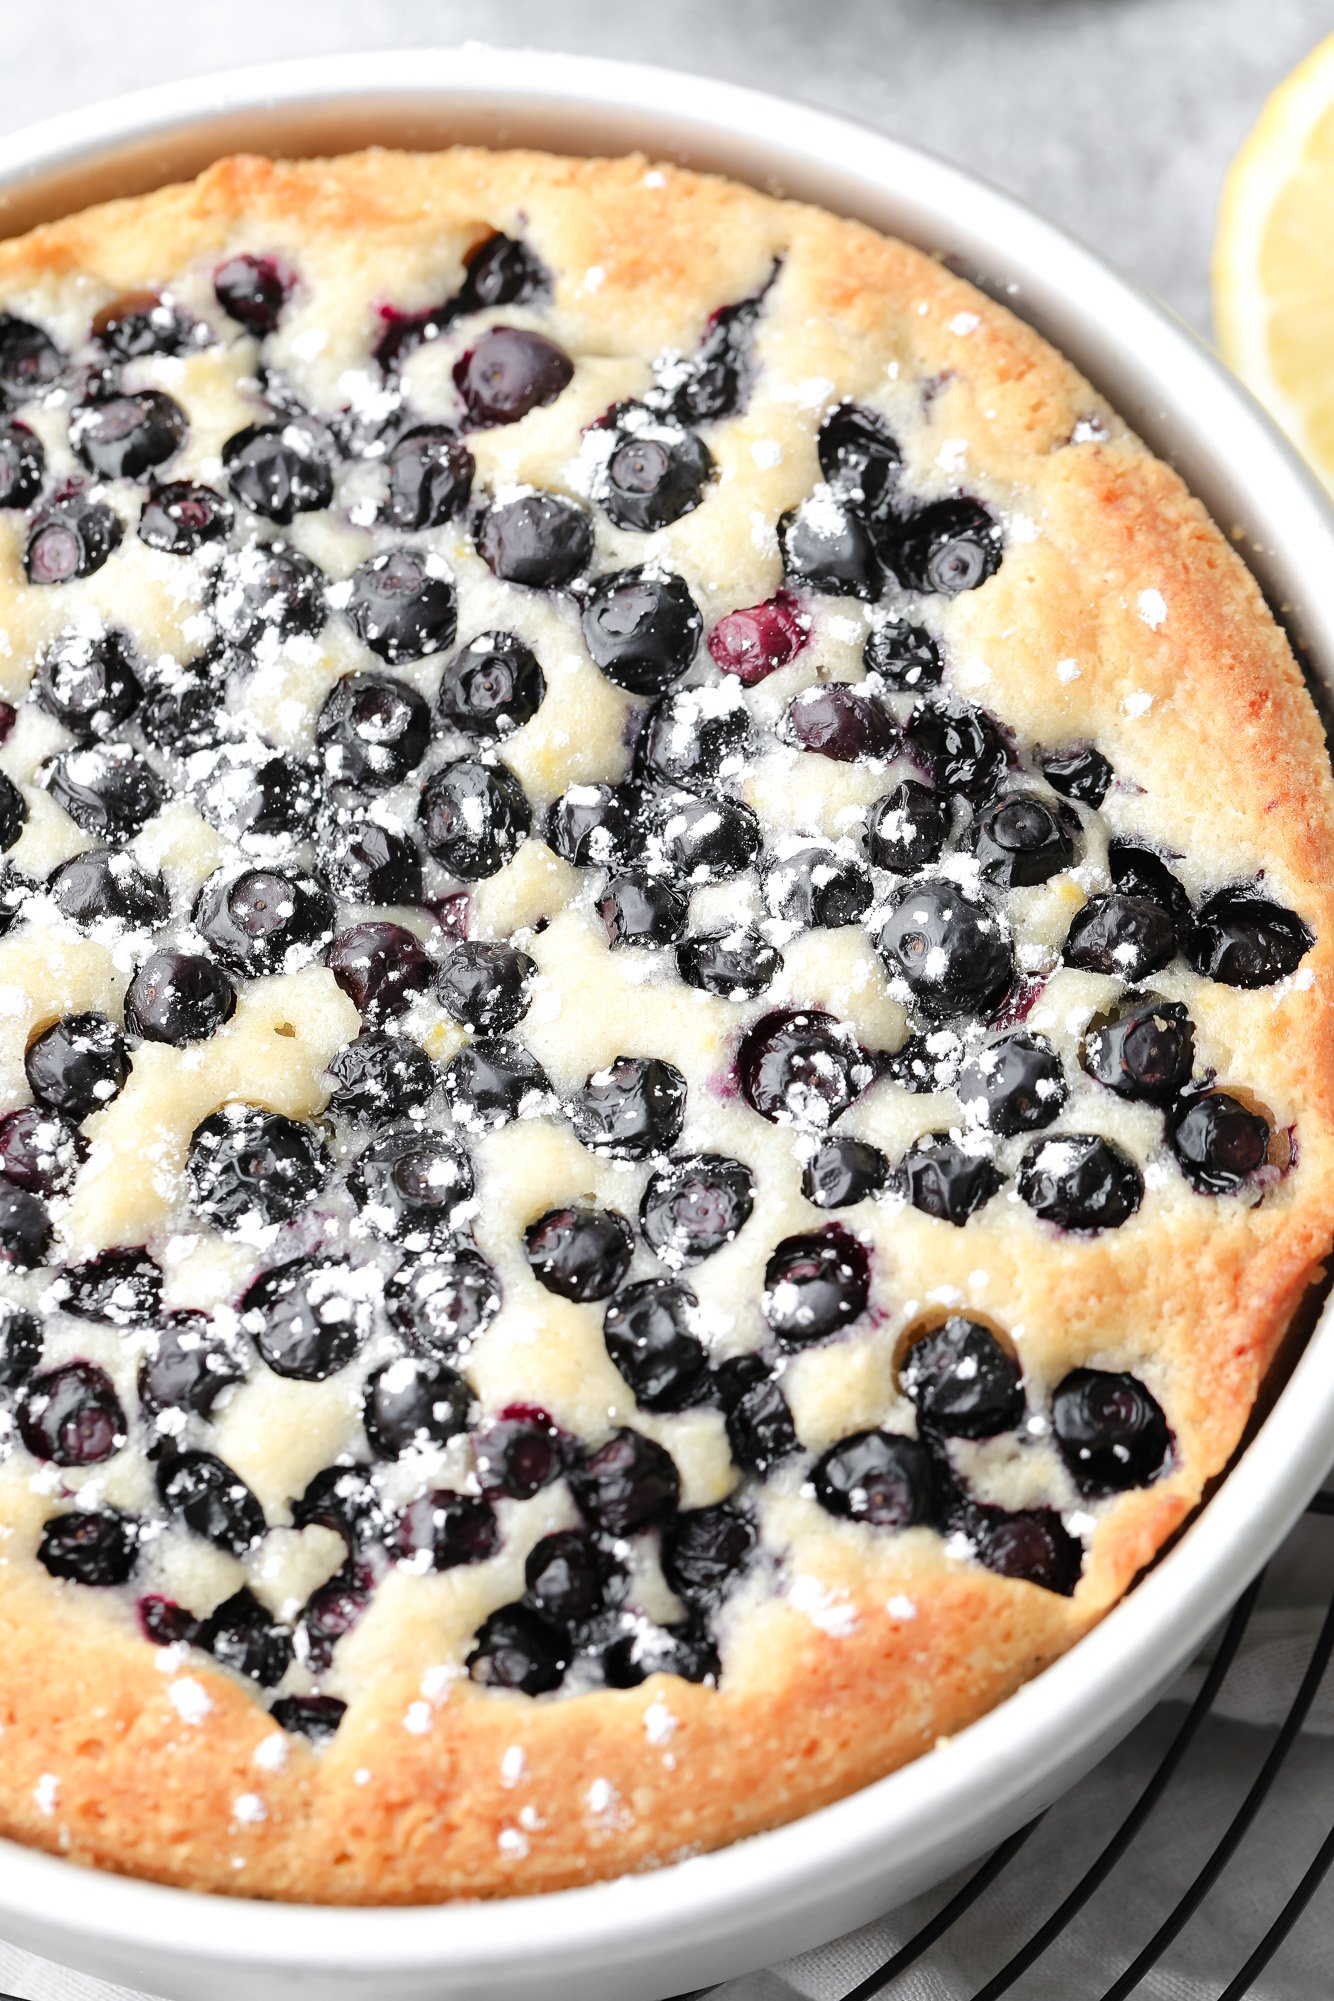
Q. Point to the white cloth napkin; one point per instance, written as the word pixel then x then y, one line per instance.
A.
pixel 1160 1864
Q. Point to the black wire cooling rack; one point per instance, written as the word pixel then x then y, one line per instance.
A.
pixel 967 1906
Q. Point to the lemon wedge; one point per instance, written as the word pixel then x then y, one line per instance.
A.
pixel 1273 266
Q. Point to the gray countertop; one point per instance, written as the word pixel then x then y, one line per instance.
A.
pixel 1114 117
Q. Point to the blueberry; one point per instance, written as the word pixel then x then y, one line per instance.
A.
pixel 756 640
pixel 30 361
pixel 494 686
pixel 486 987
pixel 411 1401
pixel 247 1166
pixel 381 967
pixel 1244 939
pixel 243 1636
pixel 1021 840
pixel 838 721
pixel 760 1431
pixel 568 1575
pixel 1110 1431
pixel 876 1477
pixel 815 1285
pixel 346 1500
pixel 121 1287
pixel 77 1066
pixel 707 840
pixel 98 1548
pixel 408 1185
pixel 22 464
pixel 736 963
pixel 263 920
pixel 627 1484
pixel 71 1415
pixel 951 950
pixel 125 437
pixel 843 1171
pixel 164 1623
pixel 801 1067
pixel 640 1650
pixel 39 1151
pixel 329 1615
pixel 632 1109
pixel 404 333
pixel 1014 1085
pixel 827 547
pixel 509 372
pixel 143 323
pixel 962 1381
pixel 643 910
pixel 268 588
pixel 1125 937
pixel 278 470
pixel 178 997
pixel 107 789
pixel 16 893
pixel 960 748
pixel 642 628
pixel 500 271
pixel 188 1367
pixel 493 1081
pixel 1143 1048
pixel 25 1227
pixel 908 828
pixel 448 1530
pixel 71 538
pixel 579 1252
pixel 365 862
pixel 815 887
pixel 517 1649
pixel 315 1717
pixel 696 736
pixel 859 454
pixel 1031 1544
pixel 380 1077
pixel 373 730
pixel 252 290
pixel 716 382
pixel 540 540
pixel 519 1453
pixel 1081 1182
pixel 705 1550
pixel 946 547
pixel 650 1331
pixel 905 658
pixel 401 608
pixel 598 826
pixel 654 474
pixel 308 1318
pixel 430 477
pixel 694 1205
pixel 88 681
pixel 1139 871
pixel 13 812
pixel 1081 773
pixel 183 712
pixel 1218 1143
pixel 476 817
pixel 945 1179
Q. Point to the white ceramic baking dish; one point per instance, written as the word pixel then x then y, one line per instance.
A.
pixel 649 1936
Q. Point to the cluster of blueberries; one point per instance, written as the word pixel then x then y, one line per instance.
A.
pixel 672 825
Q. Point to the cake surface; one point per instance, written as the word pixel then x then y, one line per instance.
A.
pixel 665 1048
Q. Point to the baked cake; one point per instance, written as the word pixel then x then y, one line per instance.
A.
pixel 664 1018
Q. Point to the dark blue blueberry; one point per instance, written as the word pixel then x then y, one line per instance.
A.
pixel 182 516
pixel 519 1453
pixel 39 1150
pixel 1080 1181
pixel 267 588
pixel 570 1576
pixel 77 1066
pixel 373 730
pixel 501 271
pixel 951 950
pixel 430 477
pixel 540 540
pixel 71 1415
pixel 1122 936
pixel 516 1648
pixel 414 1400
pixel 760 1431
pixel 843 1171
pixel 71 538
pixel 945 1179
pixel 1140 871
pixel 380 1077
pixel 242 1635
pixel 642 628
pixel 401 608
pixel 248 1166
pixel 448 1530
pixel 1014 1085
pixel 408 1185
pixel 279 470
pixel 123 1288
pixel 859 455
pixel 716 381
pixel 815 887
pixel 381 967
pixel 1021 840
pixel 492 687
pixel 876 1477
pixel 346 1500
pixel 125 437
pixel 905 657
pixel 485 986
pixel 707 840
pixel 801 1067
pixel 815 1285
pixel 696 736
pixel 650 1331
pixel 143 323
pixel 365 862
pixel 643 910
pixel 1110 1431
pixel 476 817
pixel 837 720
pixel 20 1345
pixel 908 828
pixel 315 1717
pixel 22 464
pixel 946 547
pixel 1032 1545
pixel 493 1081
pixel 654 474
pixel 1244 939
pixel 1081 773
pixel 25 1227
pixel 694 1205
pixel 637 1651
pixel 308 1318
pixel 599 825
pixel 736 962
pixel 188 1367
pixel 509 372
pixel 579 1252
pixel 962 1382
pixel 1143 1048
pixel 827 547
pixel 631 1109
pixel 260 920
pixel 252 290
pixel 109 885
pixel 13 812
pixel 98 1548
pixel 627 1484
pixel 30 361
pixel 108 789
pixel 705 1550
pixel 1218 1142
pixel 960 748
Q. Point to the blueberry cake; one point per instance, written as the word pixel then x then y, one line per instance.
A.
pixel 664 1019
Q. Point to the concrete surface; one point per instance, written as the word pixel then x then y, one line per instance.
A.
pixel 1115 117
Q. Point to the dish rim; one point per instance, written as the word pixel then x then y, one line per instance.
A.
pixel 979 1785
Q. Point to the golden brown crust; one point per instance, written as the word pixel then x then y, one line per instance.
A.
pixel 1203 707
